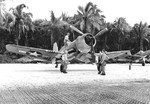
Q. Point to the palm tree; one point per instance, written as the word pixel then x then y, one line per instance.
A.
pixel 140 32
pixel 29 27
pixel 89 18
pixel 7 20
pixel 66 29
pixel 56 27
pixel 23 21
pixel 120 26
pixel 40 32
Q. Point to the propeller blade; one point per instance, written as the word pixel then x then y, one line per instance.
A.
pixel 75 29
pixel 101 32
pixel 72 27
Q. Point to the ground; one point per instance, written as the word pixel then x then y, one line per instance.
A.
pixel 44 84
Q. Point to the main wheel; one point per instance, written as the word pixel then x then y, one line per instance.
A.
pixel 143 63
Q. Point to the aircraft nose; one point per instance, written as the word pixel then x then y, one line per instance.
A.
pixel 89 39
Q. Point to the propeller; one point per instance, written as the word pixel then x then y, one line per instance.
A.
pixel 89 38
pixel 77 30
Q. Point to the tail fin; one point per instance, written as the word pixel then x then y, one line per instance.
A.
pixel 55 47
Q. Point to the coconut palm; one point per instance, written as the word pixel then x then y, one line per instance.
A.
pixel 29 27
pixel 7 19
pixel 139 32
pixel 23 21
pixel 120 27
pixel 89 17
pixel 55 27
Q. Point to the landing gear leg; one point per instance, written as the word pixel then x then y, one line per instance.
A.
pixel 143 63
pixel 130 65
pixel 63 67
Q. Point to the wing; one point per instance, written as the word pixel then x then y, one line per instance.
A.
pixel 117 54
pixel 30 51
pixel 126 57
pixel 143 53
pixel 132 58
pixel 121 56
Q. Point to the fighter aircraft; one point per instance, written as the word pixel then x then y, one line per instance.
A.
pixel 80 50
pixel 145 56
pixel 139 57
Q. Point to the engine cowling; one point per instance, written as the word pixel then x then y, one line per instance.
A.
pixel 83 43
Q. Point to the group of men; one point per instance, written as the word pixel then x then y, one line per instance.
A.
pixel 101 59
pixel 101 62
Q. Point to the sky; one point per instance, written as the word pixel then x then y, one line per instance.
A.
pixel 133 10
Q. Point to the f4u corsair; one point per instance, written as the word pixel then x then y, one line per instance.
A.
pixel 78 50
pixel 81 50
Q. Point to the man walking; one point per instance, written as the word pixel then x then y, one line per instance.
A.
pixel 102 62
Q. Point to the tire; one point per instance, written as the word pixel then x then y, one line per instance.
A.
pixel 143 64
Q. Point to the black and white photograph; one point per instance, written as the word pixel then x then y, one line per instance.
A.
pixel 74 52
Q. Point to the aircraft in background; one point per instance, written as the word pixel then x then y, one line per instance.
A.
pixel 139 57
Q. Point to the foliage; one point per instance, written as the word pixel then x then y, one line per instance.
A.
pixel 89 18
pixel 120 27
pixel 17 27
pixel 139 34
pixel 23 23
pixel 7 19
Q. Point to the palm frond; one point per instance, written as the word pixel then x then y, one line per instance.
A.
pixel 87 7
pixel 81 10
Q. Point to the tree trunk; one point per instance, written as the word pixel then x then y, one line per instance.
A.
pixel 52 40
pixel 2 44
pixel 105 41
pixel 141 42
pixel 17 34
pixel 120 42
pixel 26 39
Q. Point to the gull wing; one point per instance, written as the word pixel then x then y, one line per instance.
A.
pixel 31 51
